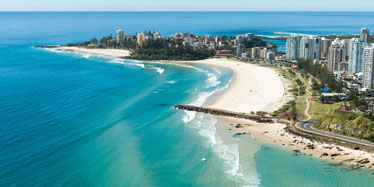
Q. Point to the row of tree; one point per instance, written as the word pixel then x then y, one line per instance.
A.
pixel 320 72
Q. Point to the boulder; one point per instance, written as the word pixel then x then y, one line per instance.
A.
pixel 363 161
pixel 238 126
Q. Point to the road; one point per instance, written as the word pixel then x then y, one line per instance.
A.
pixel 306 126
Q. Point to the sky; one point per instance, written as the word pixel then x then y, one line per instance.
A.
pixel 186 5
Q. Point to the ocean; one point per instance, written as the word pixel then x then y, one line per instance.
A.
pixel 75 119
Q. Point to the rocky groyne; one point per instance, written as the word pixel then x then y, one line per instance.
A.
pixel 219 112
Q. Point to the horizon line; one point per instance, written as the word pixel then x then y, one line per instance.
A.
pixel 186 11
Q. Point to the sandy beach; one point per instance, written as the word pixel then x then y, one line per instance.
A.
pixel 256 88
pixel 253 89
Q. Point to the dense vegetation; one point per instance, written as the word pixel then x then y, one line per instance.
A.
pixel 256 42
pixel 289 107
pixel 320 72
pixel 163 49
pixel 356 99
pixel 348 123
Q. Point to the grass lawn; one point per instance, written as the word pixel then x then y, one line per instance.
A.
pixel 318 109
pixel 300 104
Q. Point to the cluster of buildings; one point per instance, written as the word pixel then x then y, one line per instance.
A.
pixel 217 43
pixel 139 38
pixel 187 38
pixel 266 53
pixel 353 58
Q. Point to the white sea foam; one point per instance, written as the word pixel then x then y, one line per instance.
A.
pixel 212 80
pixel 159 70
pixel 189 66
pixel 171 82
pixel 217 70
pixel 86 55
pixel 228 152
pixel 190 115
pixel 140 65
pixel 207 129
pixel 54 50
pixel 230 155
pixel 136 64
pixel 117 61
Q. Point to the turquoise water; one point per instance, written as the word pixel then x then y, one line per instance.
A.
pixel 304 170
pixel 71 119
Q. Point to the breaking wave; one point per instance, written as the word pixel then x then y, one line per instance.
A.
pixel 159 70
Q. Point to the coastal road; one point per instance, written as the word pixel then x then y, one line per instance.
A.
pixel 306 126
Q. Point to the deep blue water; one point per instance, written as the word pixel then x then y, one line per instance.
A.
pixel 69 119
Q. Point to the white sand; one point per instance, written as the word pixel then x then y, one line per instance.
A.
pixel 116 53
pixel 254 88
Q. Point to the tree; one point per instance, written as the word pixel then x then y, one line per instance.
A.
pixel 94 41
pixel 362 107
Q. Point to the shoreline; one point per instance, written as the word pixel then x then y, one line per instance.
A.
pixel 255 88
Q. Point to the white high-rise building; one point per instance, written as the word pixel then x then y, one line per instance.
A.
pixel 317 47
pixel 325 45
pixel 337 53
pixel 240 49
pixel 263 53
pixel 156 35
pixel 270 56
pixel 356 52
pixel 140 39
pixel 120 35
pixel 310 48
pixel 365 35
pixel 249 36
pixel 292 47
pixel 255 53
pixel 368 68
pixel 212 46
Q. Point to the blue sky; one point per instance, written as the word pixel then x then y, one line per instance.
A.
pixel 186 5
